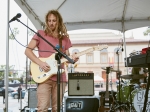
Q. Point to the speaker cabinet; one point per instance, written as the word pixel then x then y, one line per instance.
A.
pixel 81 103
pixel 80 84
pixel 32 99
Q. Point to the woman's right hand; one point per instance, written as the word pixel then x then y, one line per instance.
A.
pixel 45 67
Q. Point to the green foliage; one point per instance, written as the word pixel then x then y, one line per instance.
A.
pixel 147 31
pixel 30 33
pixel 15 31
pixel 2 74
pixel 11 70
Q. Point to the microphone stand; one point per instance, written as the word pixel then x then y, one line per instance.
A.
pixel 118 76
pixel 57 57
pixel 117 52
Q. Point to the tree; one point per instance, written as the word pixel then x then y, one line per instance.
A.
pixel 3 68
pixel 14 32
pixel 30 33
pixel 147 31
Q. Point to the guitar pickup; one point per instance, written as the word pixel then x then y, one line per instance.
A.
pixel 41 76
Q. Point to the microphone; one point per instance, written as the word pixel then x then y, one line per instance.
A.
pixel 122 45
pixel 15 17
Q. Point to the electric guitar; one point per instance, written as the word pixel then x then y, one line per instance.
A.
pixel 40 76
pixel 105 98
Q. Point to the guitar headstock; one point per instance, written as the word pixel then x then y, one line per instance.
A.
pixel 100 47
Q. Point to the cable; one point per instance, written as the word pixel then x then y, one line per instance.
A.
pixel 14 53
pixel 26 46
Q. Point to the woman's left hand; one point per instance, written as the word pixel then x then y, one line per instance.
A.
pixel 75 57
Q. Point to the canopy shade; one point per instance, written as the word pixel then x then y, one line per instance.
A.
pixel 119 15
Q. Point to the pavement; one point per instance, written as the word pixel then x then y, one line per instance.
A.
pixel 13 104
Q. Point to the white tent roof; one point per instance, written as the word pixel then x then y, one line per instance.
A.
pixel 119 15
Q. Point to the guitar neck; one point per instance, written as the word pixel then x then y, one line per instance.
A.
pixel 87 51
pixel 79 54
pixel 107 92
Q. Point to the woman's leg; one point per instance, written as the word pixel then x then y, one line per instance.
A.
pixel 43 96
pixel 54 95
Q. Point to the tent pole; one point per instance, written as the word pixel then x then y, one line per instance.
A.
pixel 27 61
pixel 7 57
pixel 124 45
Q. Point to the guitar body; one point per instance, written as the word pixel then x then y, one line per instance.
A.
pixel 39 75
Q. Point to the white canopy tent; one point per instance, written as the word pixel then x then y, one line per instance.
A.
pixel 119 15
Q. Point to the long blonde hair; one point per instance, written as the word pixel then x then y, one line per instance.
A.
pixel 60 27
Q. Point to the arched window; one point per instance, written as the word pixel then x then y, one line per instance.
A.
pixel 76 51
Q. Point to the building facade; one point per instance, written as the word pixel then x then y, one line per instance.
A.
pixel 113 56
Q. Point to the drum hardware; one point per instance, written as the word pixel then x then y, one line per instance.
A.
pixel 119 105
pixel 143 85
pixel 110 70
pixel 137 86
pixel 112 94
pixel 138 76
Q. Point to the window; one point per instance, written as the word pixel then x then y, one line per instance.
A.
pixel 104 56
pixel 89 58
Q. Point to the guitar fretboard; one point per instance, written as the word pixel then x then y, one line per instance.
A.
pixel 87 51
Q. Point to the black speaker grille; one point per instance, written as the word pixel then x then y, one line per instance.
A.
pixel 81 84
pixel 32 99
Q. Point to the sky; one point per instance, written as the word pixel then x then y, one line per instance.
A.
pixel 16 51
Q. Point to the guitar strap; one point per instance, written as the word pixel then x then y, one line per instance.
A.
pixel 60 44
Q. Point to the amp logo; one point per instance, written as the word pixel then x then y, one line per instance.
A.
pixel 75 105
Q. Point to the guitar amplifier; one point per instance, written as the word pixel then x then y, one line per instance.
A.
pixel 81 103
pixel 80 84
